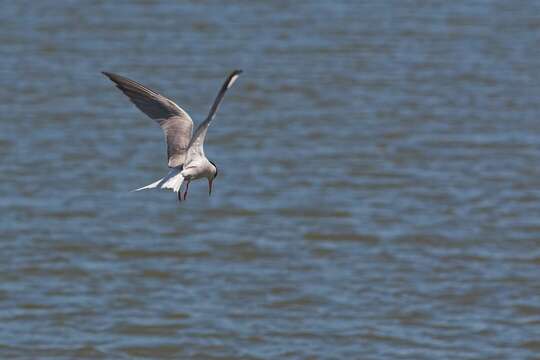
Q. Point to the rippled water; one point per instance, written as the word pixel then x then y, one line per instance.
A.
pixel 378 193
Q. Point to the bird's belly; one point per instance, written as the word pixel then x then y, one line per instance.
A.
pixel 192 175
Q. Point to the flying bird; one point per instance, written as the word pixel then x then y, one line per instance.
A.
pixel 185 151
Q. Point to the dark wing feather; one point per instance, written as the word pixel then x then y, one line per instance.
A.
pixel 195 148
pixel 175 122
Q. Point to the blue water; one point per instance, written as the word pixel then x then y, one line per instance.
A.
pixel 378 190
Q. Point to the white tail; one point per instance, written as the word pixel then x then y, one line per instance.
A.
pixel 172 181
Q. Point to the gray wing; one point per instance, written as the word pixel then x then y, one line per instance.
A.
pixel 175 122
pixel 195 148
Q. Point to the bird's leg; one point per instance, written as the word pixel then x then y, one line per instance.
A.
pixel 179 195
pixel 180 192
pixel 185 192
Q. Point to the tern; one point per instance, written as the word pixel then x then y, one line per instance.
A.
pixel 185 152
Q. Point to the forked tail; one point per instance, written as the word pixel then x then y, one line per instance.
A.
pixel 172 181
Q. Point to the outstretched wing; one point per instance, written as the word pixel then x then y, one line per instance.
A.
pixel 175 122
pixel 195 148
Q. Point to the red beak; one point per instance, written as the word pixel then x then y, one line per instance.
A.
pixel 210 181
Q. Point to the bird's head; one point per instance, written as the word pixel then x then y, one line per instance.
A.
pixel 211 177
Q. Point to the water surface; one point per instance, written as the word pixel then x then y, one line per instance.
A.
pixel 378 190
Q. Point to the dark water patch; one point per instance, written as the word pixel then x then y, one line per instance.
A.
pixel 120 302
pixel 77 247
pixel 177 316
pixel 353 184
pixel 404 342
pixel 158 274
pixel 148 330
pixel 63 215
pixel 528 310
pixel 57 352
pixel 410 317
pixel 230 212
pixel 532 345
pixel 244 251
pixel 337 237
pixel 64 271
pixel 313 213
pixel 323 252
pixel 165 351
pixel 429 240
pixel 89 352
pixel 297 303
pixel 158 254
pixel 33 306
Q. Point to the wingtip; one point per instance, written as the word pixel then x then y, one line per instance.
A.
pixel 232 78
pixel 112 76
